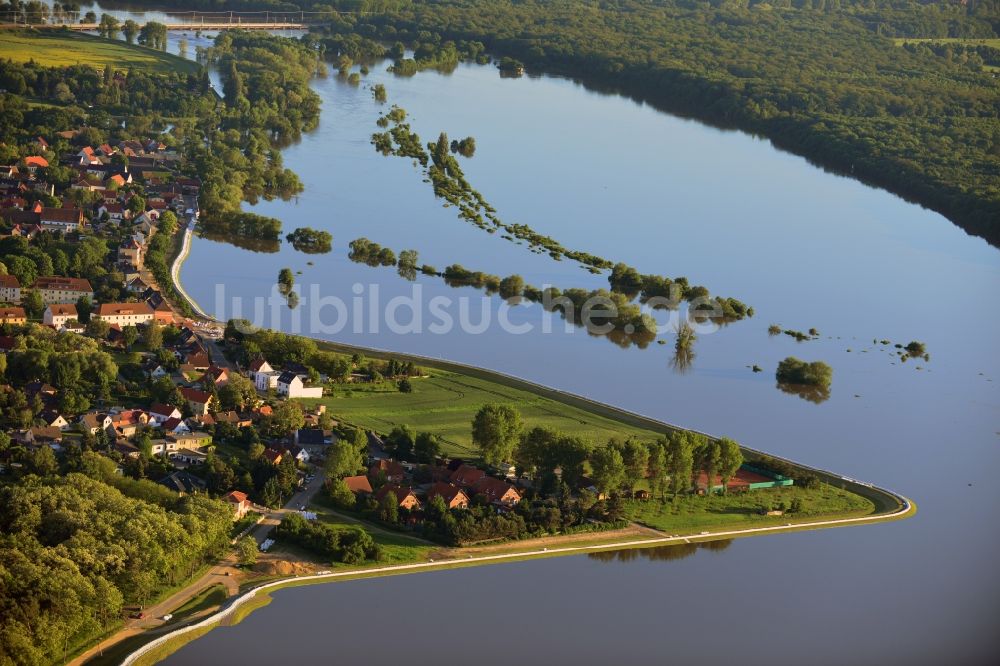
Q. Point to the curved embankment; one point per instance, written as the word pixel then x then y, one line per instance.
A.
pixel 175 272
pixel 903 508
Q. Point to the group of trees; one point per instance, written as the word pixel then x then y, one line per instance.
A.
pixel 808 380
pixel 348 545
pixel 671 464
pixel 76 550
pixel 310 241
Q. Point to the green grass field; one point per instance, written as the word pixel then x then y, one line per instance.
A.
pixel 210 597
pixel 61 49
pixel 445 403
pixel 398 548
pixel 741 510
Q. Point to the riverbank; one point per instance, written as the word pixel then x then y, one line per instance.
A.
pixel 175 272
pixel 239 607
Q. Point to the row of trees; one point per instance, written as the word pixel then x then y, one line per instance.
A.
pixel 671 464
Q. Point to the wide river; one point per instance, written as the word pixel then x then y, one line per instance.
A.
pixel 670 196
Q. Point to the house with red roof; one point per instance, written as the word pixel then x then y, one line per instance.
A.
pixel 392 471
pixel 199 401
pixel 35 162
pixel 10 289
pixel 359 485
pixel 453 496
pixel 238 500
pixel 405 498
pixel 497 491
pixel 466 476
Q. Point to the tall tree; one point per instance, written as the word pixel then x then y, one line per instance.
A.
pixel 730 459
pixel 608 469
pixel 496 430
pixel 636 457
pixel 680 461
pixel 657 467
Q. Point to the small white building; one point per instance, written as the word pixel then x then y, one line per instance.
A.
pixel 263 375
pixel 57 314
pixel 291 385
pixel 10 289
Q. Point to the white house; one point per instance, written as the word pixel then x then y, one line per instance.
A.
pixel 263 375
pixel 95 422
pixel 61 219
pixel 56 289
pixel 159 413
pixel 292 386
pixel 10 289
pixel 57 314
pixel 125 314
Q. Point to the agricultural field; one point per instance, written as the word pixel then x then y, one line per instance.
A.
pixel 445 403
pixel 61 49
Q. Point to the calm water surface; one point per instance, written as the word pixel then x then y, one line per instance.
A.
pixel 805 248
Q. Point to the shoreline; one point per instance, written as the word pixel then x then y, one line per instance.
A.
pixel 906 509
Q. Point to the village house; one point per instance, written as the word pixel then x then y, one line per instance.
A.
pixel 115 211
pixel 124 314
pixel 191 441
pixel 238 500
pixel 359 485
pixel 496 491
pixel 291 385
pixel 174 426
pixel 467 476
pixel 188 457
pixel 53 419
pixel 13 315
pixel 10 289
pixel 199 401
pixel 218 376
pixel 158 413
pixel 128 422
pixel 273 456
pixel 57 314
pixel 392 471
pixel 405 499
pixel 184 483
pixel 44 436
pixel 63 289
pixel 234 418
pixel 454 497
pixel 64 220
pixel 263 375
pixel 95 422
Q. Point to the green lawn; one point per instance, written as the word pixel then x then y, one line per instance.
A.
pixel 208 598
pixel 61 49
pixel 398 548
pixel 446 402
pixel 740 510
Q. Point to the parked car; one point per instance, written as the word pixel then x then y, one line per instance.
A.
pixel 138 616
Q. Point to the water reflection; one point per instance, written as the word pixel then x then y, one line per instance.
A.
pixel 814 394
pixel 660 553
pixel 262 245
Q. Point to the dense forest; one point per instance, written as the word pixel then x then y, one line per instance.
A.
pixel 75 550
pixel 821 78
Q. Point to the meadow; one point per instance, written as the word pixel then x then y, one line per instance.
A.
pixel 445 402
pixel 64 48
